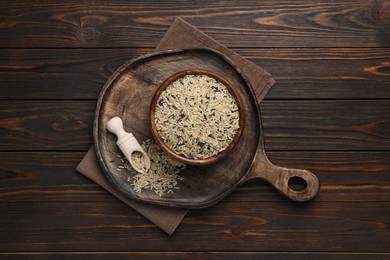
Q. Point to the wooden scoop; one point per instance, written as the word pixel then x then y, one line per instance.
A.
pixel 128 144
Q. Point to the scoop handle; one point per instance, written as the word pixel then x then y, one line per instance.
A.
pixel 280 177
pixel 115 126
pixel 127 143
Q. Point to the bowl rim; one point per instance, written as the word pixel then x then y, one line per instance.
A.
pixel 232 90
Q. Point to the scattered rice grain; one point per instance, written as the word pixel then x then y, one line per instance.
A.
pixel 163 174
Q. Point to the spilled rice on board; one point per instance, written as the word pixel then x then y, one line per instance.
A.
pixel 163 175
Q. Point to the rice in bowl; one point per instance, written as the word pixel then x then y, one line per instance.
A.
pixel 197 116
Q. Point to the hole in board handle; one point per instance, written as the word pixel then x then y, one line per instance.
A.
pixel 297 183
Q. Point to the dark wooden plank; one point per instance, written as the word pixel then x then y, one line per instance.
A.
pixel 288 125
pixel 249 226
pixel 46 176
pixel 59 74
pixel 49 125
pixel 197 255
pixel 269 23
pixel 326 125
pixel 331 73
pixel 321 73
pixel 51 177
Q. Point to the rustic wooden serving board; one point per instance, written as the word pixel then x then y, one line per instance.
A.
pixel 128 94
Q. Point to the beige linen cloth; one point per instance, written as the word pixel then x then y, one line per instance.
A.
pixel 179 36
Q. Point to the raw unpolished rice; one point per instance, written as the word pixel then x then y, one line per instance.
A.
pixel 197 116
pixel 163 175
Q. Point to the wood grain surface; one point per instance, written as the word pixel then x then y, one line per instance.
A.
pixel 50 177
pixel 288 124
pixel 195 255
pixel 250 226
pixel 329 112
pixel 347 73
pixel 357 23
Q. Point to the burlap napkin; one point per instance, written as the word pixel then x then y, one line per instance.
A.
pixel 180 35
pixel 183 35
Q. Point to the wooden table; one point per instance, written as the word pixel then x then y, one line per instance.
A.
pixel 329 112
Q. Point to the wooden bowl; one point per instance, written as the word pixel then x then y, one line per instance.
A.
pixel 182 158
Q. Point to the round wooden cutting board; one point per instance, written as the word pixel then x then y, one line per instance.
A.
pixel 128 94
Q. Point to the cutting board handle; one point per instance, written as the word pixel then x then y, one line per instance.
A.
pixel 281 177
